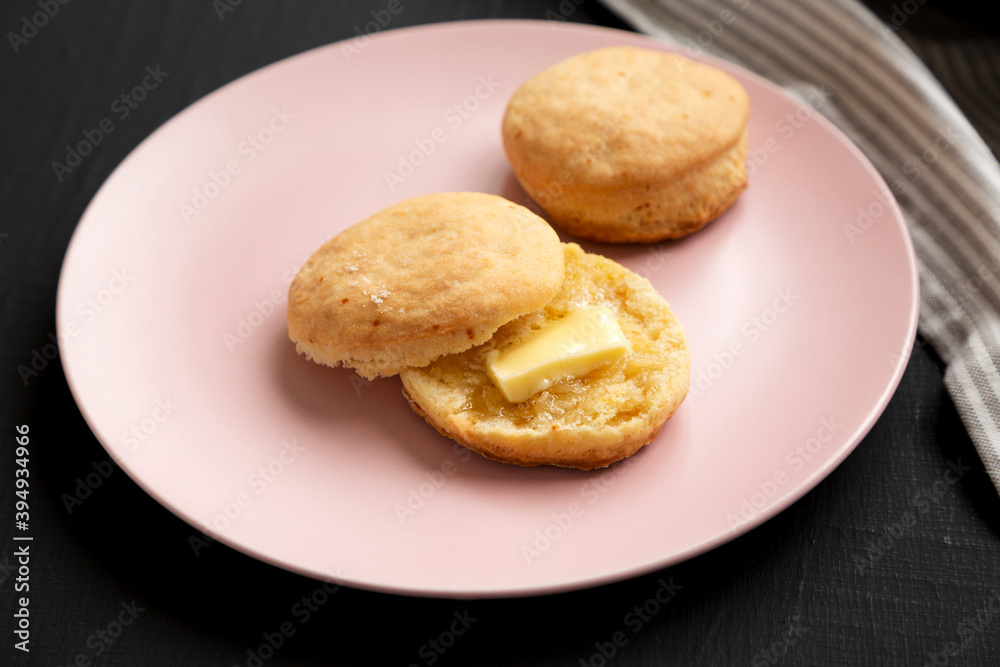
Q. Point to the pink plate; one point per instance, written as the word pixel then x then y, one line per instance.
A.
pixel 800 304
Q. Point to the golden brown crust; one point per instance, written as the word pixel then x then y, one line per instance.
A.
pixel 429 276
pixel 625 144
pixel 587 422
pixel 581 458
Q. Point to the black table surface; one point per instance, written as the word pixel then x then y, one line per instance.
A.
pixel 893 559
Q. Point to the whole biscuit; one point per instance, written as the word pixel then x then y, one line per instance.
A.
pixel 625 144
pixel 429 276
pixel 585 422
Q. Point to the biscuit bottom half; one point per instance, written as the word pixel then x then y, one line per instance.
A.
pixel 659 211
pixel 583 422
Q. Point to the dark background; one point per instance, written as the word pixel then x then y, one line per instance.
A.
pixel 851 574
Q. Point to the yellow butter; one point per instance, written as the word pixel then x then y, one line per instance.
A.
pixel 575 345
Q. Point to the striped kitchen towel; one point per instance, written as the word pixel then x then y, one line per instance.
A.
pixel 884 97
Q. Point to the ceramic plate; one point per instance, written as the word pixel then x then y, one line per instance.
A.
pixel 800 304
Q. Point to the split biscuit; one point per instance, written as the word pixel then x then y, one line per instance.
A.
pixel 430 276
pixel 624 144
pixel 579 422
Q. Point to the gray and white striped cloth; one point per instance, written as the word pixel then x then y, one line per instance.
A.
pixel 892 106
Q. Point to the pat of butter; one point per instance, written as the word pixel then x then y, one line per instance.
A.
pixel 575 345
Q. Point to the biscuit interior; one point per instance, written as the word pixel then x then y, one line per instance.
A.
pixel 583 422
pixel 625 144
pixel 430 276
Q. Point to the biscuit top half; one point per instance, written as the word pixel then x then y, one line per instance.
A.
pixel 432 275
pixel 624 116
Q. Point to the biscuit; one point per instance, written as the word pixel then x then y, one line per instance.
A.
pixel 625 144
pixel 429 276
pixel 584 422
